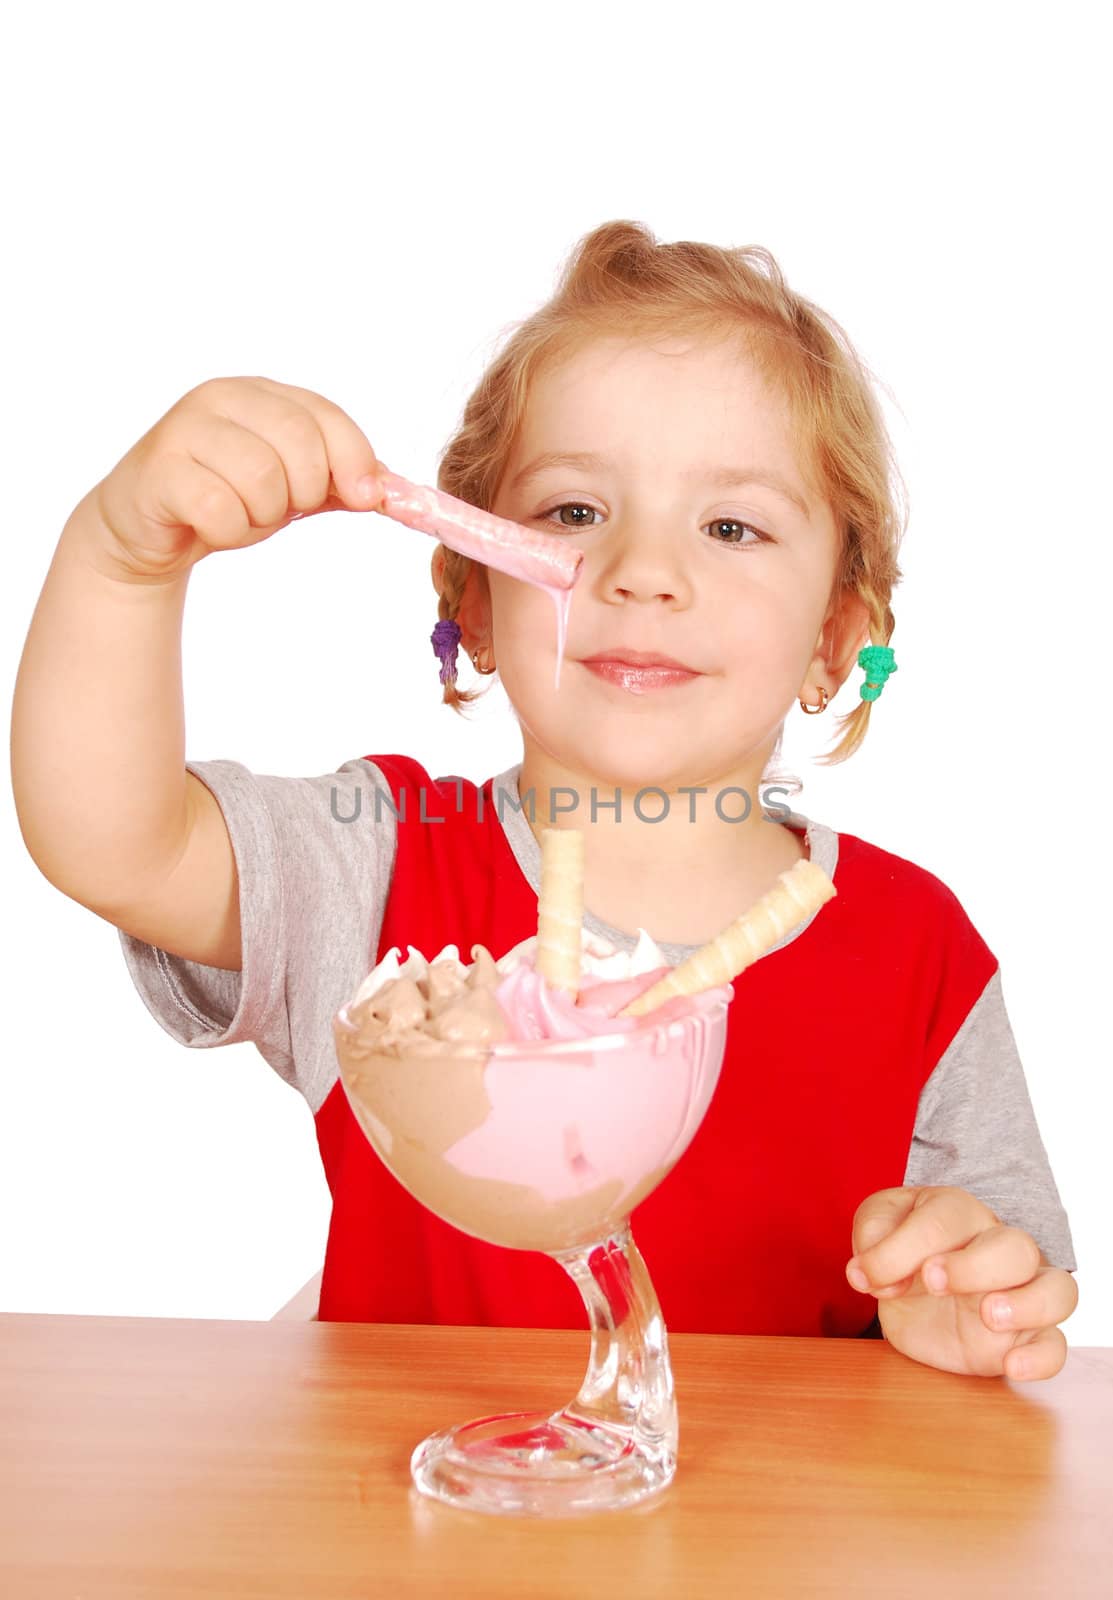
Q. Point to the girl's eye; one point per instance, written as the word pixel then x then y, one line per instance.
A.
pixel 735 522
pixel 570 505
pixel 737 543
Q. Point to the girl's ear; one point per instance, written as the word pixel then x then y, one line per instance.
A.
pixel 474 615
pixel 845 630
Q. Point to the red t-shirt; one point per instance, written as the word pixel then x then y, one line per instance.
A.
pixel 829 1043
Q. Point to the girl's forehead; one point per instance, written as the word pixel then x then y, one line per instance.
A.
pixel 715 394
pixel 681 386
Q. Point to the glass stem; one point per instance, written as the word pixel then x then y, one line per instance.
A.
pixel 629 1380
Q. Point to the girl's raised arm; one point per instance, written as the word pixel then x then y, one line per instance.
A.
pixel 137 839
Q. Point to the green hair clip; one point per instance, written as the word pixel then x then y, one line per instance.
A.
pixel 879 664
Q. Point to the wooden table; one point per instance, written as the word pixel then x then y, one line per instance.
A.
pixel 142 1458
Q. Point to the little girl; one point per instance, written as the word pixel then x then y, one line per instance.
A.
pixel 710 441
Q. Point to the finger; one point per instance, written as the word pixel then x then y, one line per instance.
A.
pixel 893 1291
pixel 190 495
pixel 348 450
pixel 1050 1297
pixel 878 1215
pixel 286 431
pixel 999 1257
pixel 875 1219
pixel 1041 1357
pixel 248 463
pixel 940 1219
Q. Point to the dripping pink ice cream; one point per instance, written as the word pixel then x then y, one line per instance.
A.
pixel 538 558
pixel 516 1112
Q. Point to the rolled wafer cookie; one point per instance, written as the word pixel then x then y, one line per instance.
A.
pixel 791 901
pixel 560 908
pixel 541 558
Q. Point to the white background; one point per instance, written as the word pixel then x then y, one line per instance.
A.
pixel 361 201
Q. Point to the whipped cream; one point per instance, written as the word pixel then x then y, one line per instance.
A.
pixel 599 958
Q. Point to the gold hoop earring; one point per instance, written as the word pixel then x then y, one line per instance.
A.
pixel 486 671
pixel 814 711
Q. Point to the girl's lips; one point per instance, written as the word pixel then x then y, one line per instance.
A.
pixel 639 680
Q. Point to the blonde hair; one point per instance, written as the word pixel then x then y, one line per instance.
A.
pixel 619 282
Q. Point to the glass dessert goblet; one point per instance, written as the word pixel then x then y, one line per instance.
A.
pixel 550 1144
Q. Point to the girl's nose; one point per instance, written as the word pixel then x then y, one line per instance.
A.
pixel 642 561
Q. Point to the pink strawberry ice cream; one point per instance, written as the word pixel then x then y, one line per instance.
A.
pixel 518 1113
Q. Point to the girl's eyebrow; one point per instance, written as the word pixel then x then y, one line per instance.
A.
pixel 720 477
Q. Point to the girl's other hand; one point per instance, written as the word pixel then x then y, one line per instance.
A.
pixel 904 1237
pixel 232 462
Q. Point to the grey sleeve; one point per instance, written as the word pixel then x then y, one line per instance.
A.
pixel 975 1128
pixel 314 858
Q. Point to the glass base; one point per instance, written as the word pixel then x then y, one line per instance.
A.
pixel 538 1463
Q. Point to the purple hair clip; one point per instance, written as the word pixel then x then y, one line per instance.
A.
pixel 446 640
